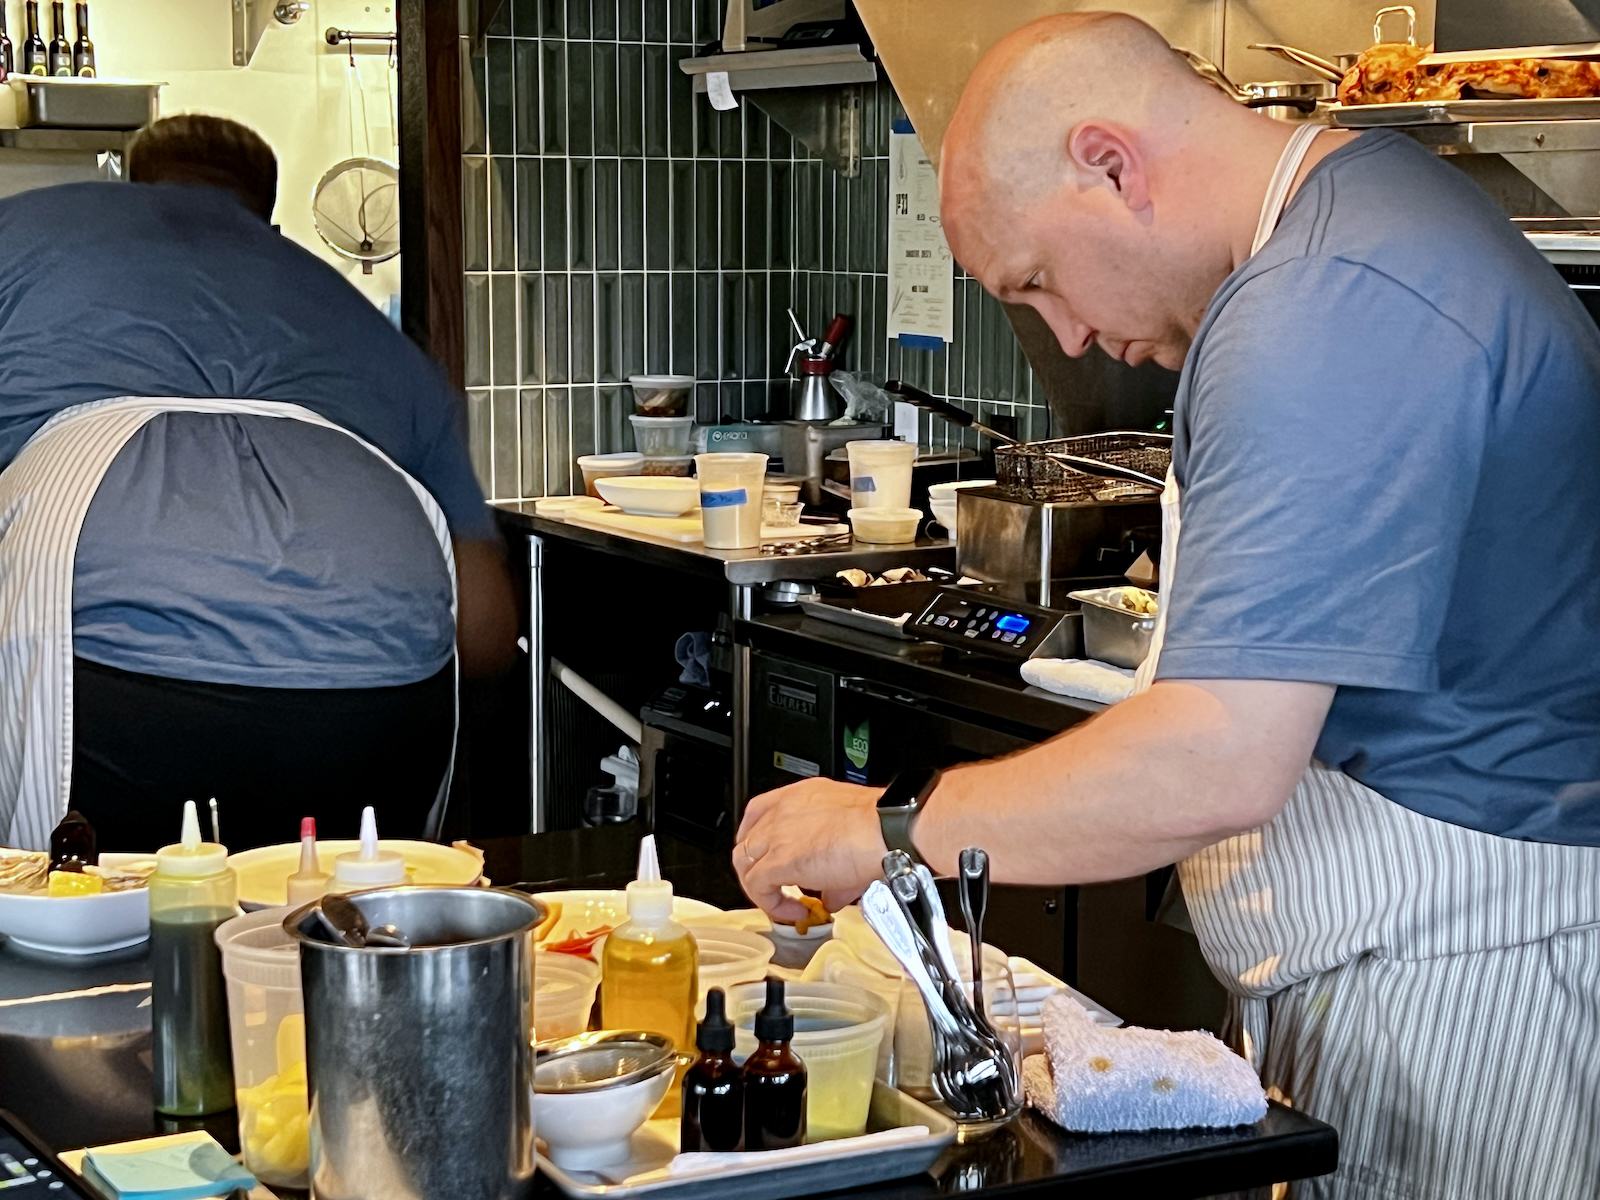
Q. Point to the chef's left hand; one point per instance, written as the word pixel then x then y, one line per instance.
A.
pixel 820 835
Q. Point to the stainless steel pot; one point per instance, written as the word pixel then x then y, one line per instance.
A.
pixel 420 1058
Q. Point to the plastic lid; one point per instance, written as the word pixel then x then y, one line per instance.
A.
pixel 369 866
pixel 774 1023
pixel 189 857
pixel 714 1035
pixel 649 896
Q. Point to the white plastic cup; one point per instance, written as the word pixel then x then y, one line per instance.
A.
pixel 730 499
pixel 663 437
pixel 728 957
pixel 564 988
pixel 266 1018
pixel 880 473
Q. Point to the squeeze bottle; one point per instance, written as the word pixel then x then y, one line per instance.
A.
pixel 368 867
pixel 649 968
pixel 191 893
pixel 310 882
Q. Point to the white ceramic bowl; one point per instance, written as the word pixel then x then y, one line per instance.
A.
pixel 886 526
pixel 585 1130
pixel 650 495
pixel 795 950
pixel 944 512
pixel 77 925
pixel 947 491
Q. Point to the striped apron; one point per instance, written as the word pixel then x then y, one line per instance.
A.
pixel 44 497
pixel 1431 991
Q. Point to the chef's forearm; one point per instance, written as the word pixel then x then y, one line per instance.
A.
pixel 1146 783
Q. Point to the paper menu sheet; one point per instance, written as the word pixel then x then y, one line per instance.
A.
pixel 921 276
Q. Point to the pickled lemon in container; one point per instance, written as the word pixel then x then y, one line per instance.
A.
pixel 649 969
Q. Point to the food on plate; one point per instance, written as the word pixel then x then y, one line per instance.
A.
pixel 1135 600
pixel 74 883
pixel 816 913
pixel 1392 73
pixel 24 871
pixel 552 915
pixel 857 578
pixel 28 873
pixel 581 944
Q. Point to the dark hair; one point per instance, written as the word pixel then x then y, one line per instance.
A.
pixel 198 149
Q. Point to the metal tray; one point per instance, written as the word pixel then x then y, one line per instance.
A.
pixel 1461 112
pixel 51 103
pixel 1112 634
pixel 836 613
pixel 656 1144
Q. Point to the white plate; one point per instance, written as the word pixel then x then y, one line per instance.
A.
pixel 78 925
pixel 650 495
pixel 263 873
pixel 583 912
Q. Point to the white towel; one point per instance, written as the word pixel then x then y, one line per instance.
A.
pixel 1094 1080
pixel 1082 678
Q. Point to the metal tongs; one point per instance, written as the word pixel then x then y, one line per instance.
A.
pixel 974 1071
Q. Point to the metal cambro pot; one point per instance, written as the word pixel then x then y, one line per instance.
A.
pixel 419 1057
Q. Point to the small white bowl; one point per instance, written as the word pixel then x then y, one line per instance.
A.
pixel 886 526
pixel 587 1125
pixel 947 491
pixel 796 950
pixel 78 925
pixel 944 512
pixel 650 495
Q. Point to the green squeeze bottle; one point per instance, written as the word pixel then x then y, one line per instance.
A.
pixel 192 892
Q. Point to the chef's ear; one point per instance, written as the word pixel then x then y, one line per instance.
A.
pixel 1108 155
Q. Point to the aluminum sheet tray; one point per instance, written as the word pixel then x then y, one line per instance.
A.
pixel 656 1144
pixel 1461 112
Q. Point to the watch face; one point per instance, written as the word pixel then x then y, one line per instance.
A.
pixel 907 787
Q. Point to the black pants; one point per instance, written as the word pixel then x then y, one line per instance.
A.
pixel 142 745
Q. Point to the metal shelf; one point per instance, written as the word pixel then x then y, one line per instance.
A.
pixel 756 70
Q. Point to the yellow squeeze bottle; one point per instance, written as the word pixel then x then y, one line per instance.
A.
pixel 649 968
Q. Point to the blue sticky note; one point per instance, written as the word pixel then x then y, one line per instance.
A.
pixel 188 1170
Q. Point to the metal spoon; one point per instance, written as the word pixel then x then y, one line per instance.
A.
pixel 974 891
pixel 342 920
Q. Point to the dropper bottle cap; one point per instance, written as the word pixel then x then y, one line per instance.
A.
pixel 714 1035
pixel 774 1023
pixel 310 882
pixel 369 866
pixel 649 896
pixel 189 857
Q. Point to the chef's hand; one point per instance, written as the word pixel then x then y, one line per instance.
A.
pixel 819 835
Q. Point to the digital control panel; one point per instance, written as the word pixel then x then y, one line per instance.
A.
pixel 1004 628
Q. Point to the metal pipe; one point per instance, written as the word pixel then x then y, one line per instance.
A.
pixel 335 36
pixel 603 704
pixel 538 681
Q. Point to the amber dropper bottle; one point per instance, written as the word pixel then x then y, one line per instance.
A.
pixel 774 1080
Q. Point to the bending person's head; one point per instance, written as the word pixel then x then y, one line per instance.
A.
pixel 1086 172
pixel 209 151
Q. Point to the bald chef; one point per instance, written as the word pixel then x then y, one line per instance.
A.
pixel 1369 731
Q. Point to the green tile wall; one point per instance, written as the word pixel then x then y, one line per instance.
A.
pixel 615 223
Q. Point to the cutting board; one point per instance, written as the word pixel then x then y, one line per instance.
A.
pixel 685 530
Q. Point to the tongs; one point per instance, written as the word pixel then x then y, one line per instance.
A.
pixel 974 1072
pixel 957 415
pixel 1302 58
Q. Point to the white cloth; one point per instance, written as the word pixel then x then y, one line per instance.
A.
pixel 1091 1079
pixel 1080 678
pixel 1429 990
pixel 44 496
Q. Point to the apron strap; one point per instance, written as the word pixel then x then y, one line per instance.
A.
pixel 1283 175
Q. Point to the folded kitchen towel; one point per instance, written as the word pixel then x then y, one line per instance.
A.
pixel 1091 1079
pixel 1082 678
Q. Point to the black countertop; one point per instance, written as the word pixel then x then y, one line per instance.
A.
pixel 76 1067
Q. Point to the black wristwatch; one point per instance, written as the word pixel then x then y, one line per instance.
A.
pixel 900 805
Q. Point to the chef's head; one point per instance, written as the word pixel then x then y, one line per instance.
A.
pixel 1084 174
pixel 207 151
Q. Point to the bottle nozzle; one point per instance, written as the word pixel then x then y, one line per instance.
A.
pixel 190 838
pixel 649 863
pixel 191 857
pixel 649 896
pixel 310 882
pixel 368 866
pixel 369 834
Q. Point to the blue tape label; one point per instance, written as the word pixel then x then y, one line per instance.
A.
pixel 863 483
pixel 728 498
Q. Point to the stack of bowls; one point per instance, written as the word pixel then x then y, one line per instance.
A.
pixel 663 428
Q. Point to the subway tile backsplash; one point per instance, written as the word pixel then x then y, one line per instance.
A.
pixel 616 224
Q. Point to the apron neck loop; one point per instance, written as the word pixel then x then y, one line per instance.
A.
pixel 1272 204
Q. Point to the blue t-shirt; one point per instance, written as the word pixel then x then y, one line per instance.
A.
pixel 250 550
pixel 1388 441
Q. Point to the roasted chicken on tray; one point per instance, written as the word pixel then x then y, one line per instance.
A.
pixel 1391 73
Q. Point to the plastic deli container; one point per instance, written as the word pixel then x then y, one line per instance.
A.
pixel 661 395
pixel 266 1017
pixel 606 466
pixel 662 437
pixel 681 466
pixel 564 988
pixel 837 1029
pixel 728 957
pixel 730 499
pixel 886 526
pixel 880 473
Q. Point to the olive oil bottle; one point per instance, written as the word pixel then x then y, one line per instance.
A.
pixel 649 968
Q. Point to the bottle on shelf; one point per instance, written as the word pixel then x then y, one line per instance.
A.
pixel 192 892
pixel 35 55
pixel 649 973
pixel 774 1080
pixel 713 1087
pixel 83 48
pixel 7 62
pixel 60 48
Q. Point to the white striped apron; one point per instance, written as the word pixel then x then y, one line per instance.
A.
pixel 1430 990
pixel 44 497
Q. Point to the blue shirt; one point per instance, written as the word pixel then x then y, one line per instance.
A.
pixel 1388 441
pixel 250 550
